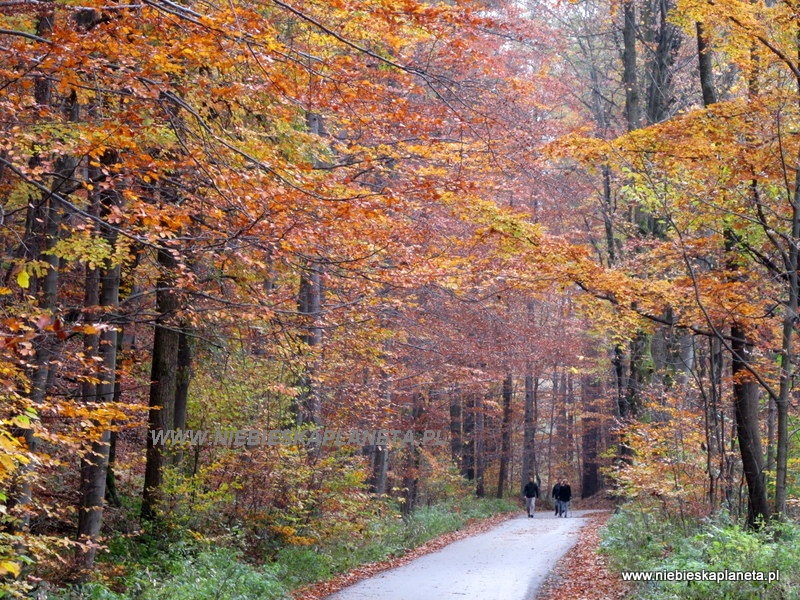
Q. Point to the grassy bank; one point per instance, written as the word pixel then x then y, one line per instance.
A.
pixel 642 539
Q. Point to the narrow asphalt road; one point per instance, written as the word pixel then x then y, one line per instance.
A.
pixel 508 562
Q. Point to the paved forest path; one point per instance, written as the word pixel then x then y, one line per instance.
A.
pixel 508 562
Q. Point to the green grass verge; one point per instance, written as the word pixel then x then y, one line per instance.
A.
pixel 160 568
pixel 638 539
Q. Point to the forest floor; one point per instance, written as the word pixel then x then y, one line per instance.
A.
pixel 501 558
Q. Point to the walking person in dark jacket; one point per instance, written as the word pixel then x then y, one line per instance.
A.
pixel 556 495
pixel 563 498
pixel 530 493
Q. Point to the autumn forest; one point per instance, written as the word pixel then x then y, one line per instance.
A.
pixel 565 235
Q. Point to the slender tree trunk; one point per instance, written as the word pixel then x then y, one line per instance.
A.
pixel 468 446
pixel 456 432
pixel 787 353
pixel 552 430
pixel 379 455
pixel 43 230
pixel 95 464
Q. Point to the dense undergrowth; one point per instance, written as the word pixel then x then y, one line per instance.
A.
pixel 645 539
pixel 154 565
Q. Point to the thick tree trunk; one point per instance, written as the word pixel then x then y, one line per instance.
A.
pixel 641 372
pixel 480 446
pixel 379 463
pixel 705 67
pixel 660 95
pixel 309 304
pixel 590 473
pixel 411 474
pixel 505 439
pixel 629 77
pixel 529 463
pixel 183 378
pixel 163 377
pixel 745 395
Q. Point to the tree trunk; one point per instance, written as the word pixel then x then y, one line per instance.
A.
pixel 659 93
pixel 456 433
pixel 411 474
pixel 468 445
pixel 705 67
pixel 480 446
pixel 641 371
pixel 745 395
pixel 787 354
pixel 183 378
pixel 505 440
pixel 95 464
pixel 309 305
pixel 529 464
pixel 163 378
pixel 43 230
pixel 629 78
pixel 590 474
pixel 379 462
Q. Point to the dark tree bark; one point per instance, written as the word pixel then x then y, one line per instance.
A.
pixel 590 473
pixel 163 378
pixel 308 407
pixel 745 395
pixel 183 377
pixel 530 466
pixel 480 446
pixel 641 372
pixel 456 433
pixel 629 77
pixel 379 462
pixel 468 445
pixel 505 440
pixel 660 95
pixel 705 67
pixel 94 470
pixel 411 474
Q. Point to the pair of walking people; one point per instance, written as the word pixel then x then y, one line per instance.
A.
pixel 562 494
